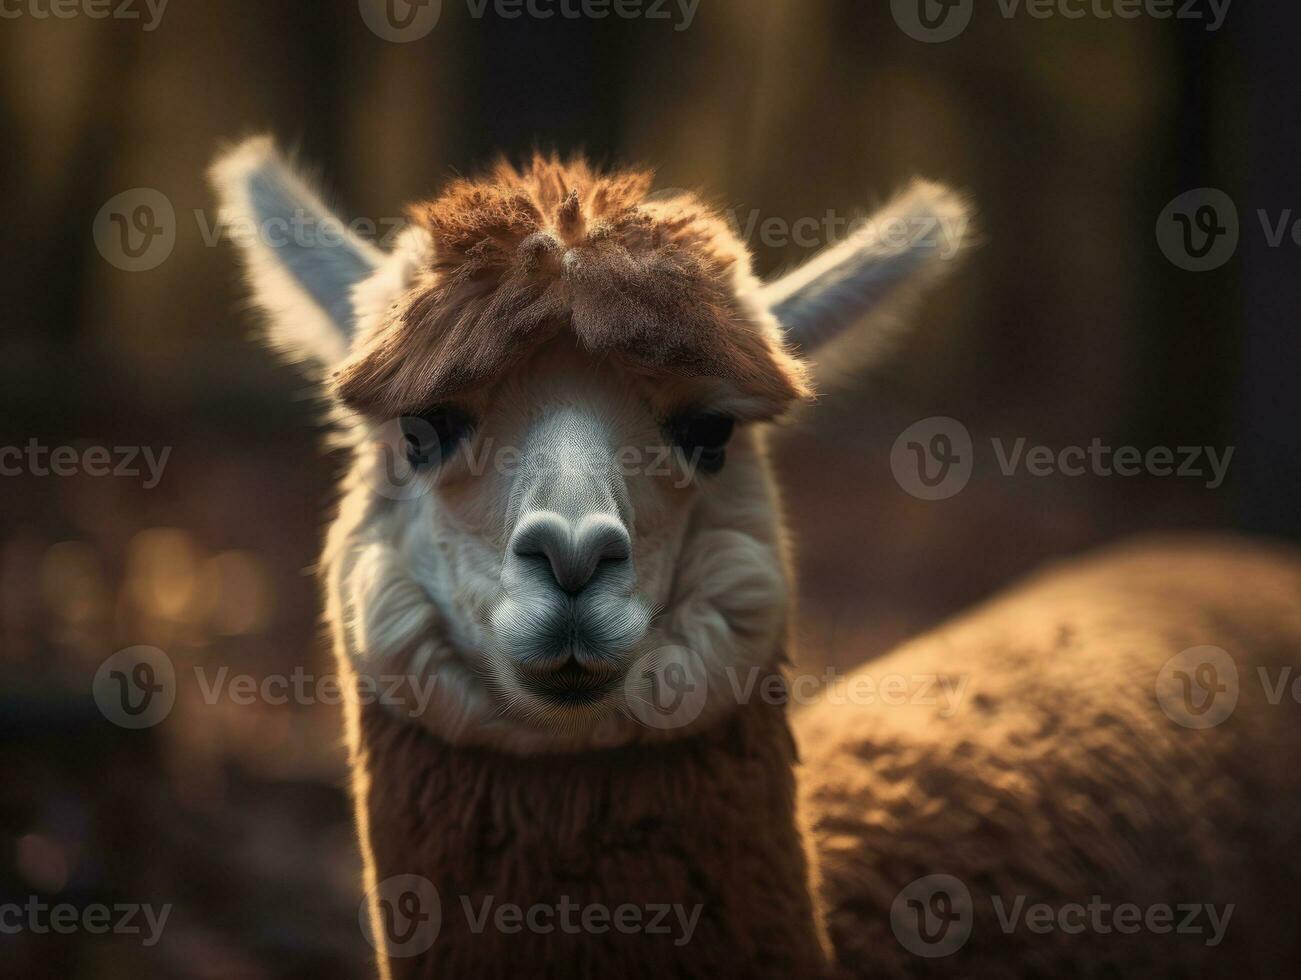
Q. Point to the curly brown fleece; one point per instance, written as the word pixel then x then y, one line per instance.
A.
pixel 1061 778
pixel 704 822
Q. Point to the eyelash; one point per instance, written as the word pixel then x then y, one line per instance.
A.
pixel 703 436
pixel 433 436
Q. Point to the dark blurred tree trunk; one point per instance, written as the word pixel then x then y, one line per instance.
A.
pixel 574 103
pixel 1271 395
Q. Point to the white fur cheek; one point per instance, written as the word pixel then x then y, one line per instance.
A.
pixel 395 637
pixel 655 561
pixel 733 607
pixel 390 611
pixel 466 582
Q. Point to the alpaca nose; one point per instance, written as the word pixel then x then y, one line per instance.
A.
pixel 573 551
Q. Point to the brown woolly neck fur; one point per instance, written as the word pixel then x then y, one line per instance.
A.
pixel 706 823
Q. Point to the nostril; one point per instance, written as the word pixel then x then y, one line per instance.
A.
pixel 601 543
pixel 604 538
pixel 613 547
pixel 540 536
pixel 574 553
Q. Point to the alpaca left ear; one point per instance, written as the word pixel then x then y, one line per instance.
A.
pixel 859 290
pixel 302 261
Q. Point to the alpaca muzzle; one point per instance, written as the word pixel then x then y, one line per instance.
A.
pixel 569 616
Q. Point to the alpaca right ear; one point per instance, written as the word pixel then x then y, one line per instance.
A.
pixel 843 307
pixel 302 262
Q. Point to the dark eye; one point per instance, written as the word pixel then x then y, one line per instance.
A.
pixel 703 436
pixel 433 436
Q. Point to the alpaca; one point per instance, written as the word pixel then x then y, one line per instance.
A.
pixel 559 537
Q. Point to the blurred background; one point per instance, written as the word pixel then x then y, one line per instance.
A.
pixel 1070 323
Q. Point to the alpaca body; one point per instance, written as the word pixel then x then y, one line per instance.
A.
pixel 1061 777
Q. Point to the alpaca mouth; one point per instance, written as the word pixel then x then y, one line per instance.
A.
pixel 570 685
pixel 565 656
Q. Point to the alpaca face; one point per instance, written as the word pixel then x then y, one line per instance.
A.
pixel 561 513
pixel 554 532
pixel 575 375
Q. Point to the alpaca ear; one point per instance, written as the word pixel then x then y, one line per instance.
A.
pixel 853 296
pixel 302 262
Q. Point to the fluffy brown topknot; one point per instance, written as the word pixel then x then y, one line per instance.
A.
pixel 516 257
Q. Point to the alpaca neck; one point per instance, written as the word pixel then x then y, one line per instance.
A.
pixel 675 859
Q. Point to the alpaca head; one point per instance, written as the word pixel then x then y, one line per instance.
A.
pixel 554 389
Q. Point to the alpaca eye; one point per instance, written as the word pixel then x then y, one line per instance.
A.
pixel 703 436
pixel 433 436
